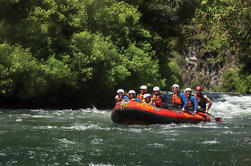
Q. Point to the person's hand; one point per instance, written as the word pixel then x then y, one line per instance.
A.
pixel 183 109
pixel 206 110
pixel 199 107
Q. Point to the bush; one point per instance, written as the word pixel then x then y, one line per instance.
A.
pixel 233 81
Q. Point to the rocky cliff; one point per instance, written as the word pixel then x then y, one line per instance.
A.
pixel 205 68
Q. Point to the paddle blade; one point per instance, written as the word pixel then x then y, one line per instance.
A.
pixel 218 119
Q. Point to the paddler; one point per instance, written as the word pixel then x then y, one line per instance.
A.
pixel 132 96
pixel 202 100
pixel 192 104
pixel 148 99
pixel 143 90
pixel 120 96
pixel 159 98
pixel 179 98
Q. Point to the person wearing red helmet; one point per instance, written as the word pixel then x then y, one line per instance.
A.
pixel 202 100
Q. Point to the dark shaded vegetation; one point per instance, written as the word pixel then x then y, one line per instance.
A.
pixel 77 53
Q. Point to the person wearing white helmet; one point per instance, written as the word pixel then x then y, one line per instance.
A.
pixel 179 98
pixel 148 99
pixel 192 104
pixel 143 90
pixel 158 98
pixel 132 95
pixel 120 96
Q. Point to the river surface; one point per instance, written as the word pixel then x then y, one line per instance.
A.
pixel 88 137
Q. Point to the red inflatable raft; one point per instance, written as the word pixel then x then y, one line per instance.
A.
pixel 140 113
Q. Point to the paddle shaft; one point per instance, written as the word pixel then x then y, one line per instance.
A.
pixel 217 119
pixel 209 114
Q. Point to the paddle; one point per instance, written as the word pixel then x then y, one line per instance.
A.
pixel 217 119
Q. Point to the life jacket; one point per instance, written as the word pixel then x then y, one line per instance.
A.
pixel 118 99
pixel 140 96
pixel 176 99
pixel 201 101
pixel 151 102
pixel 189 102
pixel 132 98
pixel 158 100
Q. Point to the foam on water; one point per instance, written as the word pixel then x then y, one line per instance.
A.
pixel 96 141
pixel 19 120
pixel 66 141
pixel 46 127
pixel 94 110
pixel 210 142
pixel 91 164
pixel 156 145
pixel 83 127
pixel 232 106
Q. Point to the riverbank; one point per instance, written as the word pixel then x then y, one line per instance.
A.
pixel 107 102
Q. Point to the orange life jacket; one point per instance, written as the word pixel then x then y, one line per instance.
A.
pixel 176 99
pixel 189 102
pixel 118 99
pixel 158 100
pixel 140 96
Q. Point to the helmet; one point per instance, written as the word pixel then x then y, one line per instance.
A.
pixel 131 91
pixel 143 87
pixel 156 88
pixel 175 85
pixel 120 91
pixel 198 88
pixel 188 89
pixel 147 95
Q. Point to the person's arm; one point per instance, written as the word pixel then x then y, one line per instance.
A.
pixel 116 101
pixel 126 98
pixel 138 100
pixel 209 103
pixel 184 99
pixel 195 103
pixel 153 103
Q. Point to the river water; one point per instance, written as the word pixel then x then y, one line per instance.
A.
pixel 88 137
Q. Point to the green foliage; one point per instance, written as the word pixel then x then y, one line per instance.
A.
pixel 52 49
pixel 118 21
pixel 93 56
pixel 25 77
pixel 227 25
pixel 166 20
pixel 233 82
pixel 223 29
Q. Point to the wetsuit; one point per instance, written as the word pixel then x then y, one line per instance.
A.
pixel 202 101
